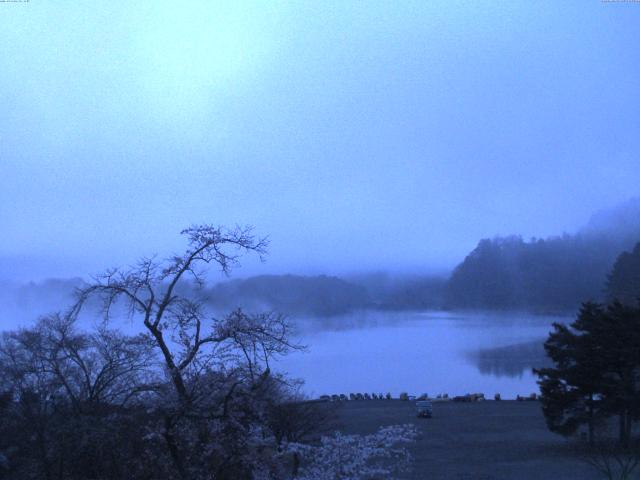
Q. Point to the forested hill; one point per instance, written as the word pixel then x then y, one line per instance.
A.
pixel 545 275
pixel 326 295
pixel 553 274
pixel 290 294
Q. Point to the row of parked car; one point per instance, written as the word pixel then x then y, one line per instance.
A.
pixel 355 396
pixel 531 398
pixel 469 397
pixel 374 396
pixel 475 397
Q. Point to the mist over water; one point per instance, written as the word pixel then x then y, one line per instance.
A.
pixel 422 352
pixel 366 351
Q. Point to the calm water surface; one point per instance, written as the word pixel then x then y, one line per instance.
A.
pixel 425 352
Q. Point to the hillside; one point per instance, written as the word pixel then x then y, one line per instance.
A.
pixel 290 294
pixel 553 274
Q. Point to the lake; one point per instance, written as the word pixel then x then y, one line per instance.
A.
pixel 416 352
pixel 420 352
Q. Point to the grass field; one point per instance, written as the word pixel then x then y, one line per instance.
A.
pixel 482 440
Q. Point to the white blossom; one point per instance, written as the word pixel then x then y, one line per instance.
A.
pixel 356 457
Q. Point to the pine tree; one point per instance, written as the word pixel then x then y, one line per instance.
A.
pixel 596 373
pixel 570 391
pixel 619 340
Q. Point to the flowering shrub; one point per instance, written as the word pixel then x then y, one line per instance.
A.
pixel 355 457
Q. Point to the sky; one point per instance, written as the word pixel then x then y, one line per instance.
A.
pixel 356 135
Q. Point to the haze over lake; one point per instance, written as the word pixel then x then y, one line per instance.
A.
pixel 454 352
pixel 421 352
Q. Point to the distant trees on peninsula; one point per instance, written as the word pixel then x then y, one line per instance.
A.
pixel 292 294
pixel 553 274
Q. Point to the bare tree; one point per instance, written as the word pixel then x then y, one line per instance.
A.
pixel 218 368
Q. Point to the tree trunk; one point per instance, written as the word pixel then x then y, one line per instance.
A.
pixel 625 428
pixel 174 451
pixel 628 429
pixel 296 464
pixel 591 426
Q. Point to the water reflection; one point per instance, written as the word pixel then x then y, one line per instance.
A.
pixel 510 360
pixel 435 352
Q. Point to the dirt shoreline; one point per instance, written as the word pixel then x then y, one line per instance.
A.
pixel 481 440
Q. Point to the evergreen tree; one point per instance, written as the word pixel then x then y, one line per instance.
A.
pixel 570 390
pixel 619 340
pixel 597 370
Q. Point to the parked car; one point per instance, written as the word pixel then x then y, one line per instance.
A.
pixel 425 408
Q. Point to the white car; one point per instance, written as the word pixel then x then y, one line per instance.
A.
pixel 425 408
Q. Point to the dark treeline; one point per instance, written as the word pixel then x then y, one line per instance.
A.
pixel 323 295
pixel 543 275
pixel 403 292
pixel 554 274
pixel 510 273
pixel 292 294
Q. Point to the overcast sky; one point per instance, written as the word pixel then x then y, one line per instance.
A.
pixel 357 135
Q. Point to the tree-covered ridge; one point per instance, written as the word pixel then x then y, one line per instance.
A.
pixel 556 273
pixel 290 294
pixel 324 295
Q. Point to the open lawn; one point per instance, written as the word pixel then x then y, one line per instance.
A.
pixel 482 440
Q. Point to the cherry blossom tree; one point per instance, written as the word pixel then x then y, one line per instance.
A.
pixel 357 457
pixel 219 380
